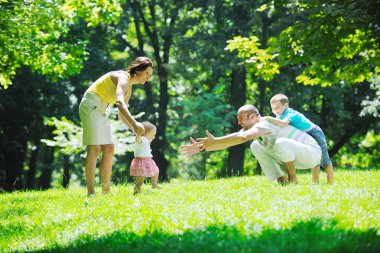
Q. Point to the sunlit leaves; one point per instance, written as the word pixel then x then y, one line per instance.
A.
pixel 257 60
pixel 333 42
pixel 35 34
pixel 372 107
pixel 68 135
pixel 93 11
pixel 335 47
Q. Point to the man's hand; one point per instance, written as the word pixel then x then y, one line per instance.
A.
pixel 206 142
pixel 193 148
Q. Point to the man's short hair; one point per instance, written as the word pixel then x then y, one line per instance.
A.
pixel 250 109
pixel 280 97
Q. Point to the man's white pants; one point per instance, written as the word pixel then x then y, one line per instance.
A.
pixel 285 150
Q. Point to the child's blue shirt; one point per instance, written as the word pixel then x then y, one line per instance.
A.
pixel 297 119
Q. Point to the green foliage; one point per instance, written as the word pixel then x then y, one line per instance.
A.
pixel 207 110
pixel 228 215
pixel 36 34
pixel 203 109
pixel 334 43
pixel 258 61
pixel 361 153
pixel 372 106
pixel 68 135
pixel 93 12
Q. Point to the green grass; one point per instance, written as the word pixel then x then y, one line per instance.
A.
pixel 245 214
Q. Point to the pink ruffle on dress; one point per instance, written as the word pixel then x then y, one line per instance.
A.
pixel 143 167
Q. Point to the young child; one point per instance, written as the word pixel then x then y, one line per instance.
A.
pixel 285 115
pixel 143 165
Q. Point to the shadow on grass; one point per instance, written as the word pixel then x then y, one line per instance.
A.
pixel 311 236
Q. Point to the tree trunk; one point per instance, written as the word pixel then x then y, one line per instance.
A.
pixel 66 171
pixel 14 162
pixel 159 144
pixel 262 100
pixel 31 174
pixel 235 162
pixel 47 170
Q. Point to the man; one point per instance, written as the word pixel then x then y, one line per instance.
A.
pixel 274 145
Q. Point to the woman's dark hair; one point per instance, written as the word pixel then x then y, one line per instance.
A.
pixel 139 64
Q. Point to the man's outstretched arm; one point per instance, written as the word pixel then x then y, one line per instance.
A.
pixel 212 143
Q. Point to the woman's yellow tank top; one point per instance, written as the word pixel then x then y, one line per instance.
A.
pixel 104 88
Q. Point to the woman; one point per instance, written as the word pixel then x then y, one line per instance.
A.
pixel 114 87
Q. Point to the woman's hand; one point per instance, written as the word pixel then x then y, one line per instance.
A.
pixel 139 128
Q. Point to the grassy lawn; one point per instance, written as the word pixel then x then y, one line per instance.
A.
pixel 245 214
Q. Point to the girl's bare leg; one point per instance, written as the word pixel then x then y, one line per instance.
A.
pixel 154 182
pixel 138 184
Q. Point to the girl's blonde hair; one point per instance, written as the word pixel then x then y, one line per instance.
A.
pixel 148 126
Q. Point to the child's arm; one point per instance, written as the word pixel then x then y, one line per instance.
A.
pixel 138 138
pixel 278 122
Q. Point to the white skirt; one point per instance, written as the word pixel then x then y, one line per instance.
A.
pixel 96 126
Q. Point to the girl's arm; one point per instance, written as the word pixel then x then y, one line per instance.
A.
pixel 138 138
pixel 278 122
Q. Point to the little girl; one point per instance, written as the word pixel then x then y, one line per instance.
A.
pixel 143 165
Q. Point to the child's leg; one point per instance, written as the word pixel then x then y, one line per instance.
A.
pixel 319 136
pixel 315 174
pixel 138 184
pixel 154 182
pixel 329 174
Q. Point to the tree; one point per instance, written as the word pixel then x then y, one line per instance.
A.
pixel 333 43
pixel 38 52
pixel 35 34
pixel 155 24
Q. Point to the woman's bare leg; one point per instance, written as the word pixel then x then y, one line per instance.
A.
pixel 106 167
pixel 90 167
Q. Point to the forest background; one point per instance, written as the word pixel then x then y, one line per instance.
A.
pixel 211 57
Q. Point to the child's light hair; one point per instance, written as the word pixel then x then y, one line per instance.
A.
pixel 148 127
pixel 280 97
